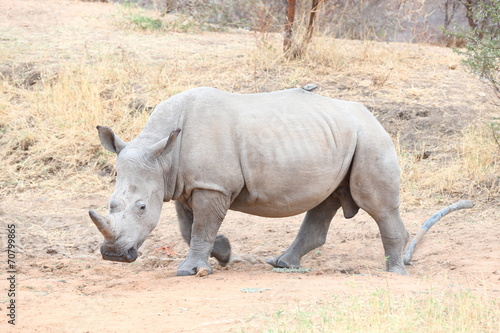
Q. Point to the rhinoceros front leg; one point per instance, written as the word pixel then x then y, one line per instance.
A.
pixel 208 210
pixel 222 246
pixel 312 233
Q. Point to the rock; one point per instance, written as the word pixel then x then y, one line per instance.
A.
pixel 310 87
pixel 202 272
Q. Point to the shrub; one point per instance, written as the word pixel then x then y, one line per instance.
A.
pixel 145 22
pixel 482 50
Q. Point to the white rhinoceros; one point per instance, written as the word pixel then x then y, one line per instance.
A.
pixel 270 154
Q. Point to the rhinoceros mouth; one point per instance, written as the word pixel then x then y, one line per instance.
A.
pixel 130 256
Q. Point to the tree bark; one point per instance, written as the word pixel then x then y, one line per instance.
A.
pixel 468 7
pixel 290 18
pixel 310 25
pixel 292 48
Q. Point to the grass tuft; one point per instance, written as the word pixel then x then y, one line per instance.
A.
pixel 135 18
pixel 469 171
pixel 383 310
pixel 145 22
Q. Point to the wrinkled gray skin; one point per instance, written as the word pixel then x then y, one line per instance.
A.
pixel 273 154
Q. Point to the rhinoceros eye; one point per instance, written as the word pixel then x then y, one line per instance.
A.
pixel 141 205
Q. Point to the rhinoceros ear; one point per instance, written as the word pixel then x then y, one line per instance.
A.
pixel 164 146
pixel 110 140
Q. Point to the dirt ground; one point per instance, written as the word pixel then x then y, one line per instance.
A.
pixel 62 285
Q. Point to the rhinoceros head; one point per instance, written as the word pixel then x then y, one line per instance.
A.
pixel 135 206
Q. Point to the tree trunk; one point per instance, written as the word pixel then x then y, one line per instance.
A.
pixel 310 26
pixel 290 18
pixel 468 7
pixel 477 27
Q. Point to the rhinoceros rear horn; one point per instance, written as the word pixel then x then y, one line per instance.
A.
pixel 103 223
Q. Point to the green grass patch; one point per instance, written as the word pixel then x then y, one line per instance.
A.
pixel 145 22
pixel 136 18
pixel 254 290
pixel 291 270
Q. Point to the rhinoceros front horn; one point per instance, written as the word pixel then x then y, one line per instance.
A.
pixel 103 223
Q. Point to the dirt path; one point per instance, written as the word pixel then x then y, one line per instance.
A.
pixel 63 285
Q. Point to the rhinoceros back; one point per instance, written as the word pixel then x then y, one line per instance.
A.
pixel 276 154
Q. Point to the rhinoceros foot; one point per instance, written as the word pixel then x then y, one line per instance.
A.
pixel 189 267
pixel 396 268
pixel 222 250
pixel 283 262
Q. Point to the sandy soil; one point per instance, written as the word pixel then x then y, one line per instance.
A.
pixel 64 286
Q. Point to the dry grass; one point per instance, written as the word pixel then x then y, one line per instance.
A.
pixel 133 17
pixel 387 311
pixel 50 128
pixel 469 170
pixel 47 129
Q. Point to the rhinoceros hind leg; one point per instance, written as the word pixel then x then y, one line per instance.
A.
pixel 375 188
pixel 394 238
pixel 312 233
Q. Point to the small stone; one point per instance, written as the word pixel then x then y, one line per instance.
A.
pixel 51 251
pixel 310 87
